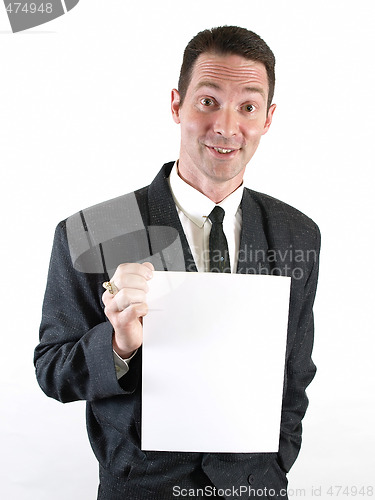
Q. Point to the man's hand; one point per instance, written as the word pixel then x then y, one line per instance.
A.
pixel 127 307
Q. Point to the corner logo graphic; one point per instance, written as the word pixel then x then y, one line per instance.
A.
pixel 25 15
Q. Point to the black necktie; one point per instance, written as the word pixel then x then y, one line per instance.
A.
pixel 219 254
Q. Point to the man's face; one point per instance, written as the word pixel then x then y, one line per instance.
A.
pixel 222 118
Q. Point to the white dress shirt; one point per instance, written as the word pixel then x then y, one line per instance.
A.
pixel 193 209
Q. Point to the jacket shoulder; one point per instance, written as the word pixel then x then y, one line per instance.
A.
pixel 282 217
pixel 113 224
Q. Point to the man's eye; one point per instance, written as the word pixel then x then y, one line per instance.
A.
pixel 206 101
pixel 249 108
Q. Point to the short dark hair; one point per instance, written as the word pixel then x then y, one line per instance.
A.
pixel 227 40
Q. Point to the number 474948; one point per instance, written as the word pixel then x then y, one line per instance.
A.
pixel 32 8
pixel 336 491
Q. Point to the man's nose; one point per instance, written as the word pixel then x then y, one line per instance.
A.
pixel 226 122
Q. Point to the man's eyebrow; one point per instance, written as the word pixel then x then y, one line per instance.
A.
pixel 257 90
pixel 207 83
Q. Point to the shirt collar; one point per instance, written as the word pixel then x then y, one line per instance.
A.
pixel 195 205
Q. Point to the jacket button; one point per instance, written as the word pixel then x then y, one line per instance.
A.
pixel 250 479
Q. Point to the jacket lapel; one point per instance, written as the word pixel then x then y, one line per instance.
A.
pixel 252 258
pixel 167 237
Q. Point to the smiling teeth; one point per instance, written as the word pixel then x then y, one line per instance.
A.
pixel 220 150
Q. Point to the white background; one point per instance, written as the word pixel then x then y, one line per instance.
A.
pixel 84 117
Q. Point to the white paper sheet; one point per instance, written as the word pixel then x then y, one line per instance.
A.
pixel 213 362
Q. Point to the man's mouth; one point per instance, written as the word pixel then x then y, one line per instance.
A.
pixel 224 154
pixel 223 151
pixel 218 151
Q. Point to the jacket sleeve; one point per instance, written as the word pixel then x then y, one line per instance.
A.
pixel 74 359
pixel 300 369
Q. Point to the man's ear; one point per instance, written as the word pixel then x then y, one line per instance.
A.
pixel 268 121
pixel 175 105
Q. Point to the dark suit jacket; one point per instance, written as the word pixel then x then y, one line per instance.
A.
pixel 74 359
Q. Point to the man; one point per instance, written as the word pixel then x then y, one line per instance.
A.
pixel 224 106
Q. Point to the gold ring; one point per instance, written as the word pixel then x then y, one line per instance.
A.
pixel 111 287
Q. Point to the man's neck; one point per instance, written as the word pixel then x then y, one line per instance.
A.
pixel 215 191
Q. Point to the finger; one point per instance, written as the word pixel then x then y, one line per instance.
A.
pixel 140 310
pixel 133 268
pixel 107 298
pixel 149 265
pixel 128 296
pixel 125 319
pixel 131 281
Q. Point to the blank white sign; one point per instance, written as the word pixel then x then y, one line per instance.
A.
pixel 213 362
